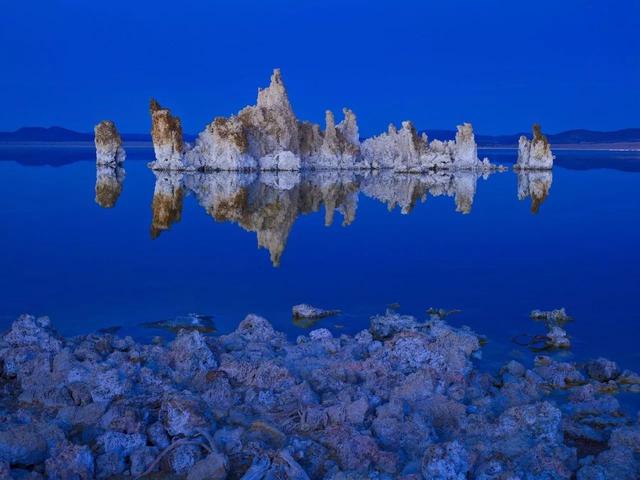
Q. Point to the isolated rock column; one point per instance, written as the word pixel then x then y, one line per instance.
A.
pixel 109 149
pixel 534 154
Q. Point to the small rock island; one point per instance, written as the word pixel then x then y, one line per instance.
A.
pixel 534 154
pixel 109 150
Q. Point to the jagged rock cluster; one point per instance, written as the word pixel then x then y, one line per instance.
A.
pixel 402 399
pixel 534 154
pixel 269 203
pixel 268 136
pixel 109 150
pixel 405 151
pixel 109 180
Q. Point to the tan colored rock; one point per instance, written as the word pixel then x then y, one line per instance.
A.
pixel 108 143
pixel 534 154
pixel 166 133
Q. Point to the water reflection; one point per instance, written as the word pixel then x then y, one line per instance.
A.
pixel 534 184
pixel 268 203
pixel 168 195
pixel 109 180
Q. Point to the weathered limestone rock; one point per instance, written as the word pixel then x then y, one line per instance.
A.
pixel 465 151
pixel 534 154
pixel 405 151
pixel 402 399
pixel 340 147
pixel 109 149
pixel 222 146
pixel 109 180
pixel 166 133
pixel 268 137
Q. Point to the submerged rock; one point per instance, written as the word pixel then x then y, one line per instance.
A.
pixel 109 150
pixel 307 311
pixel 191 321
pixel 556 317
pixel 534 154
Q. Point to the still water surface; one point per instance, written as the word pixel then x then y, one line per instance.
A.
pixel 170 245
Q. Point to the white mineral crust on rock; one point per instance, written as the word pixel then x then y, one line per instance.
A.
pixel 268 137
pixel 407 152
pixel 109 149
pixel 534 154
pixel 166 133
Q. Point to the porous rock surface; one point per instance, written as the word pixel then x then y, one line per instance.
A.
pixel 268 137
pixel 166 134
pixel 400 400
pixel 109 150
pixel 534 154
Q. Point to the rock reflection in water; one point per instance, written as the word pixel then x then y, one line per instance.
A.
pixel 535 184
pixel 166 207
pixel 109 180
pixel 269 203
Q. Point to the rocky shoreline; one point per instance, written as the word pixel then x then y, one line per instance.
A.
pixel 401 399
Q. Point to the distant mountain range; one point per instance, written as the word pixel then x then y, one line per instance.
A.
pixel 60 134
pixel 570 137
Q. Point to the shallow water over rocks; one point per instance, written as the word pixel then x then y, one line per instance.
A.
pixel 401 399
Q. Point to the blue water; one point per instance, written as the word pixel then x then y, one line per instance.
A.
pixel 89 267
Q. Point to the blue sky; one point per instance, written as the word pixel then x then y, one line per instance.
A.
pixel 498 64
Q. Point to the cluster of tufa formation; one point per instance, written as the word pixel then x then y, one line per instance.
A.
pixel 268 136
pixel 269 203
pixel 109 149
pixel 405 151
pixel 534 154
pixel 402 399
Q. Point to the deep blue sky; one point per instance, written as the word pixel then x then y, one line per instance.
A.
pixel 499 64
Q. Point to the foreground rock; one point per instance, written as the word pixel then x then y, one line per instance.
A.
pixel 534 154
pixel 109 150
pixel 401 399
pixel 268 137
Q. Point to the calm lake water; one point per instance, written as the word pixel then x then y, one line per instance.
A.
pixel 226 245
